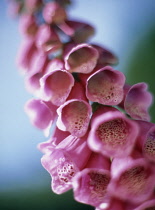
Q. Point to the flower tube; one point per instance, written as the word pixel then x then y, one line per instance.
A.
pixel 132 179
pixel 57 136
pixel 106 86
pixel 63 163
pixel 56 86
pixel 112 133
pixel 90 184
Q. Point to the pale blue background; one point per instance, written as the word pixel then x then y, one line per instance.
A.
pixel 119 24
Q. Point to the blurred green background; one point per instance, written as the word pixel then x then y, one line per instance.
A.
pixel 125 27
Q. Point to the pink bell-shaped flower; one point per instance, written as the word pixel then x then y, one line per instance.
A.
pixel 27 25
pixel 137 101
pixel 80 32
pixel 63 163
pixel 25 54
pixel 74 115
pixel 112 133
pixel 53 13
pixel 90 184
pixel 56 86
pixel 105 86
pixel 81 58
pixel 47 39
pixel 36 71
pixel 41 113
pixel 132 179
pixel 105 56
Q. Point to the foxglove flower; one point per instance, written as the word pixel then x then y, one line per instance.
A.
pixel 79 31
pixel 106 86
pixel 56 86
pixel 53 13
pixel 90 184
pixel 36 71
pixel 81 58
pixel 28 26
pixel 132 178
pixel 25 54
pixel 137 101
pixel 63 163
pixel 74 115
pixel 105 56
pixel 47 39
pixel 112 133
pixel 41 113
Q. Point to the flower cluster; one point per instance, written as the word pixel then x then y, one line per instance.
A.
pixel 101 141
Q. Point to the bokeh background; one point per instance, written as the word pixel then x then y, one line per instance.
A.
pixel 127 28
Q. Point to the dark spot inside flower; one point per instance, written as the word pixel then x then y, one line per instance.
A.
pixel 134 180
pixel 98 184
pixel 113 133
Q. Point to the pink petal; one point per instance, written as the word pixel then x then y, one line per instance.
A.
pixel 106 86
